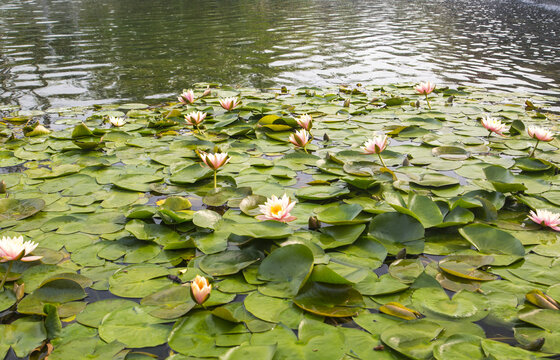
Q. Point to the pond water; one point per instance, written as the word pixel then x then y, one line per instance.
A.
pixel 61 53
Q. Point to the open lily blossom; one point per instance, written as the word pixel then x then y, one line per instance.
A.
pixel 200 289
pixel 195 118
pixel 186 97
pixel 375 145
pixel 214 161
pixel 229 103
pixel 425 88
pixel 540 133
pixel 546 218
pixel 117 121
pixel 300 138
pixel 493 125
pixel 11 248
pixel 277 209
pixel 305 121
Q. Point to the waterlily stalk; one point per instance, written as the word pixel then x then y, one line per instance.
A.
pixel 10 264
pixel 381 159
pixel 215 179
pixel 428 102
pixel 534 148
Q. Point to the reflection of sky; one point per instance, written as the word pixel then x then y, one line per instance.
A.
pixel 60 53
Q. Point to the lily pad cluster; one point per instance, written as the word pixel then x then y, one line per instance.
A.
pixel 422 257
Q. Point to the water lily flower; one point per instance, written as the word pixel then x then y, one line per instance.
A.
pixel 195 118
pixel 305 121
pixel 200 289
pixel 117 121
pixel 376 145
pixel 229 103
pixel 187 97
pixel 214 162
pixel 493 125
pixel 13 249
pixel 540 134
pixel 206 92
pixel 277 209
pixel 546 218
pixel 425 88
pixel 300 138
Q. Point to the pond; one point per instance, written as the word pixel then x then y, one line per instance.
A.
pixel 59 53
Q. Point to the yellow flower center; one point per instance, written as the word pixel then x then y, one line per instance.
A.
pixel 275 209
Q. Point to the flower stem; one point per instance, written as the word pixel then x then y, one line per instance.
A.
pixel 428 101
pixel 535 148
pixel 6 275
pixel 304 149
pixel 380 158
pixel 215 179
pixel 489 134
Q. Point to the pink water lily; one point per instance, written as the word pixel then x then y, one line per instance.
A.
pixel 425 88
pixel 195 118
pixel 200 289
pixel 375 145
pixel 546 218
pixel 305 121
pixel 277 209
pixel 493 125
pixel 540 134
pixel 300 138
pixel 214 162
pixel 229 103
pixel 13 249
pixel 187 97
pixel 117 121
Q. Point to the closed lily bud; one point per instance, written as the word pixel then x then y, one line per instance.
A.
pixel 400 311
pixel 3 187
pixel 200 289
pixel 284 90
pixel 540 299
pixel 347 102
pixel 19 290
pixel 206 92
pixel 313 223
pixel 326 137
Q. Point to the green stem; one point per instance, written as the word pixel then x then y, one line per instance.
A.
pixel 6 275
pixel 489 134
pixel 304 148
pixel 215 179
pixel 428 101
pixel 535 148
pixel 380 158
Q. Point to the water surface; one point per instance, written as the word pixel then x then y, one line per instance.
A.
pixel 65 53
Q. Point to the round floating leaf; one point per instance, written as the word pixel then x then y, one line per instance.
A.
pixel 340 235
pixel 395 228
pixel 464 305
pixel 134 327
pixel 138 280
pixel 265 229
pixel 502 179
pixel 190 174
pixel 218 197
pixel 466 266
pixel 340 214
pixel 451 153
pixel 171 303
pixel 406 270
pixel 333 300
pixel 321 192
pixel 250 204
pixel 505 247
pixel 286 269
pixel 460 347
pixel 14 209
pixel 206 219
pixel 95 311
pixel 227 262
pixel 531 164
pixel 59 291
pixel 273 310
pixel 415 339
pixel 195 335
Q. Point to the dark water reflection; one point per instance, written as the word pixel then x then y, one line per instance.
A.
pixel 60 53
